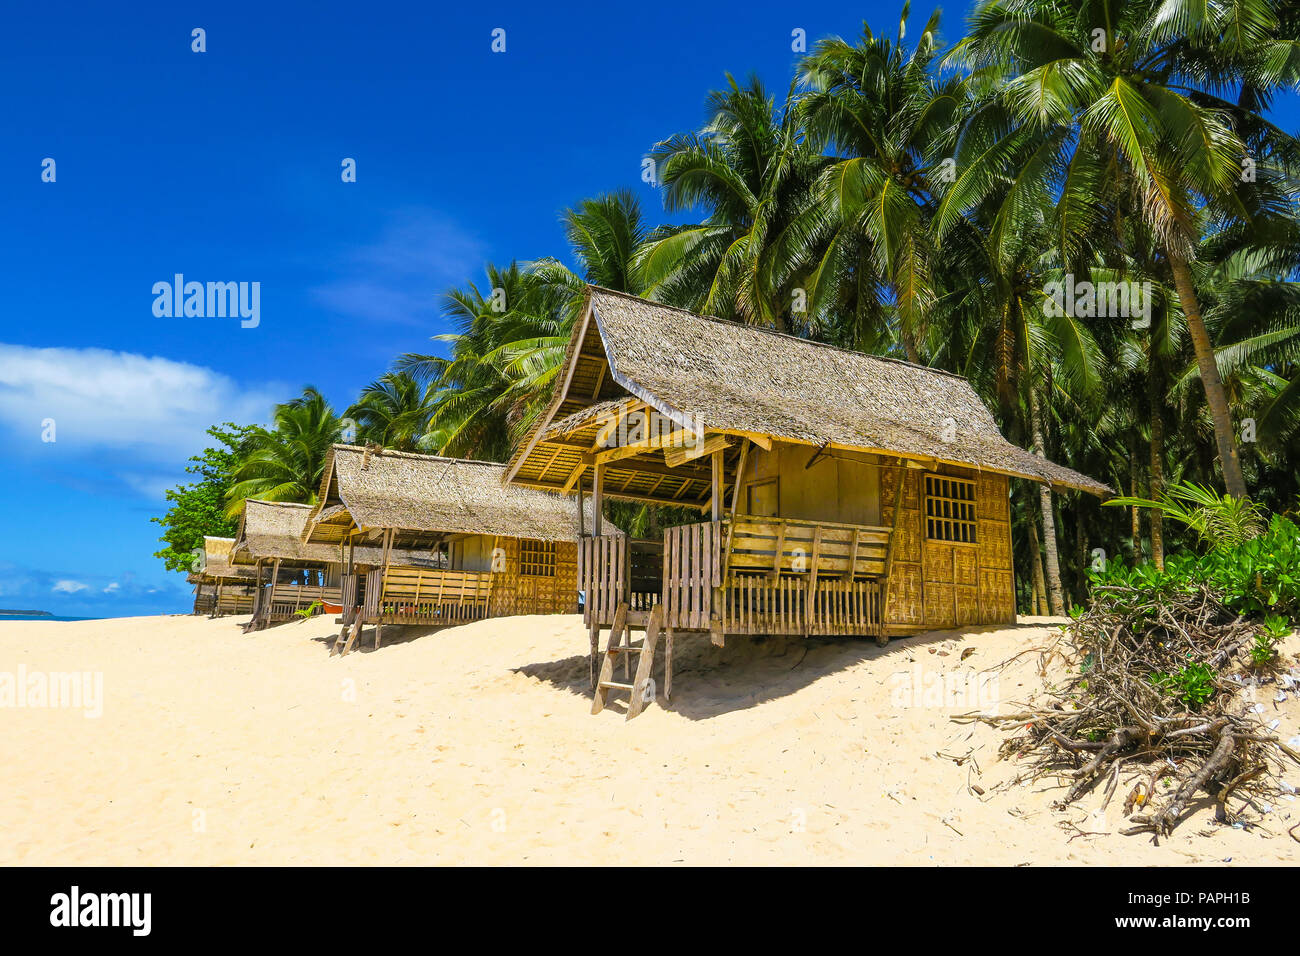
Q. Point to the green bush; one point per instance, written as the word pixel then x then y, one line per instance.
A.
pixel 1254 578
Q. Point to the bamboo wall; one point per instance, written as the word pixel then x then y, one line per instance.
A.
pixel 941 584
pixel 844 488
pixel 516 593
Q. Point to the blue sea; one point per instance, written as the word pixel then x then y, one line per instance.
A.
pixel 42 617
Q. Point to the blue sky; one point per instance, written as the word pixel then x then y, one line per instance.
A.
pixel 225 166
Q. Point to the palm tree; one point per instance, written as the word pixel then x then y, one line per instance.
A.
pixel 393 412
pixel 511 337
pixel 751 171
pixel 891 123
pixel 286 462
pixel 1117 103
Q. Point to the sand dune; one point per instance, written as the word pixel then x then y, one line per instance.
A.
pixel 476 745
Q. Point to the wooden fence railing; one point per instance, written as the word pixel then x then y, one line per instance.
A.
pixel 433 596
pixel 348 596
pixel 749 575
pixel 692 569
pixel 284 601
pixel 614 568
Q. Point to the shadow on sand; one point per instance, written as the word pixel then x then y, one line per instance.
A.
pixel 394 634
pixel 709 681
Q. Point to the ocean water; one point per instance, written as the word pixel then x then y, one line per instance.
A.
pixel 33 617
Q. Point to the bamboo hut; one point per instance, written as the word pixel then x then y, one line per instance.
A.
pixel 840 493
pixel 220 586
pixel 441 541
pixel 292 578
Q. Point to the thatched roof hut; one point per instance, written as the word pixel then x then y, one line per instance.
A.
pixel 709 374
pixel 455 543
pixel 849 494
pixel 426 497
pixel 218 564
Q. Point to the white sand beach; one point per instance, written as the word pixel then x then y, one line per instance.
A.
pixel 476 745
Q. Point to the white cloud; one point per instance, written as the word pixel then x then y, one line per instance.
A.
pixel 67 586
pixel 156 408
pixel 113 588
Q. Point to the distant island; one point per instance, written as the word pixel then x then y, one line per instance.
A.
pixel 25 613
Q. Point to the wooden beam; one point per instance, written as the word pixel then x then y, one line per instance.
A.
pixel 598 490
pixel 573 478
pixel 652 443
pixel 676 457
pixel 717 485
pixel 762 441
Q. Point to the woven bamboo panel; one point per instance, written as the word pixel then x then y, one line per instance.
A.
pixel 516 593
pixel 965 566
pixel 938 562
pixel 906 588
pixel 997 596
pixel 997 590
pixel 939 608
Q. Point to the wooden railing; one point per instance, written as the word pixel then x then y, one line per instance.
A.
pixel 284 601
pixel 754 604
pixel 820 548
pixel 430 596
pixel 234 600
pixel 692 569
pixel 348 596
pixel 749 575
pixel 614 569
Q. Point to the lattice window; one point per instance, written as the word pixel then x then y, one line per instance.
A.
pixel 537 558
pixel 949 509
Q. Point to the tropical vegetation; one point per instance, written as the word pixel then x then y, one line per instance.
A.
pixel 1087 207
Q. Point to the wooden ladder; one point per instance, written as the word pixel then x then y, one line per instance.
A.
pixel 646 649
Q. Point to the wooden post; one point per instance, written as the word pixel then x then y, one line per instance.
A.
pixel 383 583
pixel 597 498
pixel 883 637
pixel 717 485
pixel 668 665
pixel 275 577
pixel 582 518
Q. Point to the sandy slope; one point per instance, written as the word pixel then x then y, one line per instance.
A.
pixel 477 745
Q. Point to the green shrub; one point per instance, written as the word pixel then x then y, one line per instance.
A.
pixel 1255 577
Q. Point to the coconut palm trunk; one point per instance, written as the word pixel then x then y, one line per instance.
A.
pixel 1038 602
pixel 1215 396
pixel 1055 597
pixel 1155 382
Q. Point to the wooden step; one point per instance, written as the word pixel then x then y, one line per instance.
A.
pixel 639 688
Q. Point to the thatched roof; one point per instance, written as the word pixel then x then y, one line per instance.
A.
pixel 431 495
pixel 217 561
pixel 275 529
pixel 726 377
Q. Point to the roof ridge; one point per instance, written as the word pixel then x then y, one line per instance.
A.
pixel 784 335
pixel 392 453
